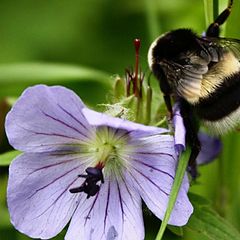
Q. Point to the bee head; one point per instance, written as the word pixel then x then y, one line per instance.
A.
pixel 171 44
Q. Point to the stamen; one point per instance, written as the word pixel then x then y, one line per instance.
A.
pixel 89 186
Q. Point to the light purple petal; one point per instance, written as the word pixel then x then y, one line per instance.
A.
pixel 38 196
pixel 100 119
pixel 210 148
pixel 153 171
pixel 45 119
pixel 179 130
pixel 114 213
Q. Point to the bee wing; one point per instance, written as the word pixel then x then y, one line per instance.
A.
pixel 186 73
pixel 228 44
pixel 189 84
pixel 191 66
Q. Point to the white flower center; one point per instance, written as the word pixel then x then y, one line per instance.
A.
pixel 108 149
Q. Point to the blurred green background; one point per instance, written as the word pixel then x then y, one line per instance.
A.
pixel 82 44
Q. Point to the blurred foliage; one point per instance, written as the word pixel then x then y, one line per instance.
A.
pixel 61 42
pixel 87 32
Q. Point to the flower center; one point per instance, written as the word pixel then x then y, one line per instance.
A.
pixel 106 151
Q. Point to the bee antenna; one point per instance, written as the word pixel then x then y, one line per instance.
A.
pixel 230 4
pixel 213 29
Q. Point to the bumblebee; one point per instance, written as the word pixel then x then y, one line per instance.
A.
pixel 202 73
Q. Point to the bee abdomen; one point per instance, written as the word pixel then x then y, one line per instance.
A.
pixel 221 109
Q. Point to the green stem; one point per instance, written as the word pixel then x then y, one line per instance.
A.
pixel 148 105
pixel 228 190
pixel 208 10
pixel 181 169
pixel 152 18
pixel 161 122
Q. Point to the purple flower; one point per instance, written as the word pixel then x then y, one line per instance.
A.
pixel 211 148
pixel 179 130
pixel 87 168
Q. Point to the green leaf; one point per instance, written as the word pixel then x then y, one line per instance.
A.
pixel 181 169
pixel 14 78
pixel 176 230
pixel 232 30
pixel 49 73
pixel 209 223
pixel 92 85
pixel 198 200
pixel 6 158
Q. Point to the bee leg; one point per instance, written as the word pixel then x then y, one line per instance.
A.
pixel 164 86
pixel 191 136
pixel 213 29
pixel 192 164
pixel 167 100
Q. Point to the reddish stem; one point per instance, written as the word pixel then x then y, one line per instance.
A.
pixel 137 44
